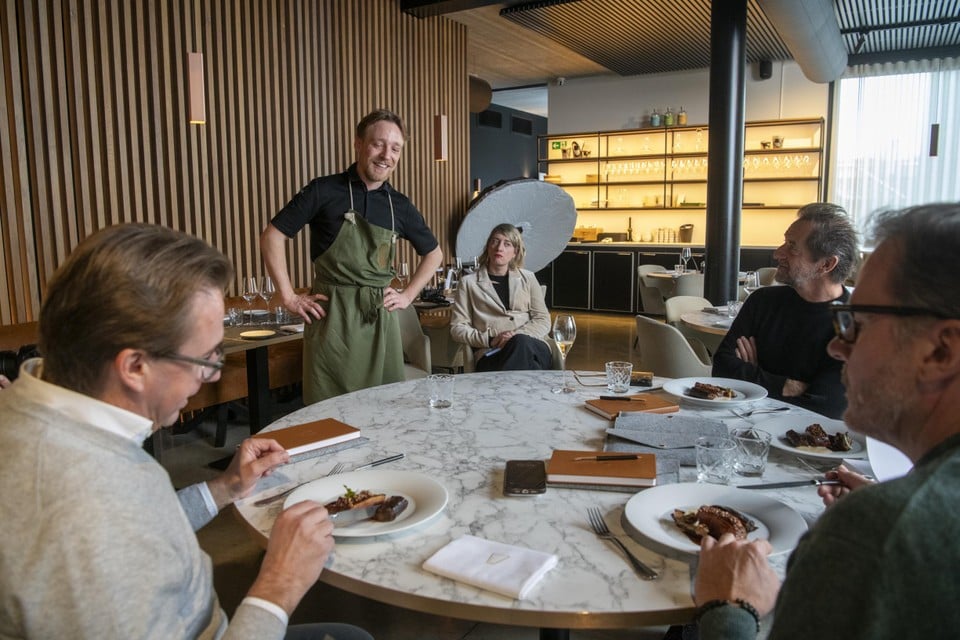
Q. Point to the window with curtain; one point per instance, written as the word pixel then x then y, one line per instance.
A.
pixel 883 140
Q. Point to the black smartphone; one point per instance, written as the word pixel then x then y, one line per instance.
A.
pixel 525 478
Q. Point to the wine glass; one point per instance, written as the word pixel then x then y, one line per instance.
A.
pixel 267 291
pixel 685 255
pixel 249 293
pixel 751 282
pixel 403 275
pixel 564 333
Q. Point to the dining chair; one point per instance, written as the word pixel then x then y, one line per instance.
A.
pixel 705 344
pixel 765 275
pixel 416 345
pixel 666 352
pixel 690 284
pixel 651 293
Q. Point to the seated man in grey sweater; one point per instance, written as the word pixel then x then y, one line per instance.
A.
pixel 880 563
pixel 96 543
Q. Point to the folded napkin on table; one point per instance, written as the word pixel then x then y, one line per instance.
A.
pixel 675 435
pixel 502 568
pixel 293 328
pixel 720 311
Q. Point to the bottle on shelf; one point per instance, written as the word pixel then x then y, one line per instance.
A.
pixel 668 118
pixel 655 118
pixel 682 117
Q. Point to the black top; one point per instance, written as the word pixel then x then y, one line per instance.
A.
pixel 322 203
pixel 501 284
pixel 792 336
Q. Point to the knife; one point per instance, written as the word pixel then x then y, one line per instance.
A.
pixel 377 463
pixel 814 482
pixel 350 516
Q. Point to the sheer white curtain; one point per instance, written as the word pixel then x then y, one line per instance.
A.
pixel 882 157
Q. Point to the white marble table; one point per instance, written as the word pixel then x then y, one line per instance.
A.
pixel 496 417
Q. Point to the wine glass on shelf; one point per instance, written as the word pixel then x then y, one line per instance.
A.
pixel 267 291
pixel 403 275
pixel 564 333
pixel 249 293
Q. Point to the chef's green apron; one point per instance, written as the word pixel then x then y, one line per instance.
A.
pixel 357 344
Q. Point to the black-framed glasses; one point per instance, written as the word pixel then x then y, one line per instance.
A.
pixel 846 327
pixel 208 367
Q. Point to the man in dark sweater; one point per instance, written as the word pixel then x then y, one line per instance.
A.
pixel 881 561
pixel 779 338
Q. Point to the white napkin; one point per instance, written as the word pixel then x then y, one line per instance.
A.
pixel 502 568
pixel 293 328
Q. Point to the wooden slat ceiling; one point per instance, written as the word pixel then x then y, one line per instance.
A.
pixel 627 37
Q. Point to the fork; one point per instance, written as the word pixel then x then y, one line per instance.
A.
pixel 747 414
pixel 600 528
pixel 337 468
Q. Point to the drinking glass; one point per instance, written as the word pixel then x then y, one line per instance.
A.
pixel 685 255
pixel 564 333
pixel 751 282
pixel 403 275
pixel 250 293
pixel 267 290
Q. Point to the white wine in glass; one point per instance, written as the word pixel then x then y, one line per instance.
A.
pixel 403 275
pixel 564 333
pixel 751 282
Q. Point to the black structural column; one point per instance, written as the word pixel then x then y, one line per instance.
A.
pixel 728 41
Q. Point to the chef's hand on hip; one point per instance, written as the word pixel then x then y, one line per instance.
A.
pixel 393 299
pixel 307 306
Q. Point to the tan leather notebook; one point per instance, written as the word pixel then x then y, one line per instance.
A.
pixel 311 435
pixel 649 402
pixel 599 467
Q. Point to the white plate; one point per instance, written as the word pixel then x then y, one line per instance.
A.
pixel 886 461
pixel 745 391
pixel 426 496
pixel 778 427
pixel 650 513
pixel 258 334
pixel 256 312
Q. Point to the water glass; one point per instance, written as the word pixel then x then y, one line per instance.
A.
pixel 753 447
pixel 234 316
pixel 440 390
pixel 733 308
pixel 679 268
pixel 715 458
pixel 618 376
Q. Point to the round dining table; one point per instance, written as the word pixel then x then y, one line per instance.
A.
pixel 497 417
pixel 714 323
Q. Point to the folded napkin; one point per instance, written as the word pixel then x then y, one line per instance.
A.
pixel 293 328
pixel 668 436
pixel 502 568
pixel 720 311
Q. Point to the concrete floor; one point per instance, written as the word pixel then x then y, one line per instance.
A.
pixel 236 559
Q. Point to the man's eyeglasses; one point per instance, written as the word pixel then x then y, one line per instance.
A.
pixel 846 327
pixel 208 367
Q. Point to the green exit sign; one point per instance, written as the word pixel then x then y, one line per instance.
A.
pixel 555 144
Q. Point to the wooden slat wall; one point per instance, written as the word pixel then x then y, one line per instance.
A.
pixel 93 122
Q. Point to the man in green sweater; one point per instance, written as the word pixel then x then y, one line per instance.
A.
pixel 96 543
pixel 881 562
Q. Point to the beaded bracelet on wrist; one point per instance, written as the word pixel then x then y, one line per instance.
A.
pixel 739 602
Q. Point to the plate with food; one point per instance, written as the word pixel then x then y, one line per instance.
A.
pixel 677 515
pixel 404 499
pixel 814 437
pixel 711 392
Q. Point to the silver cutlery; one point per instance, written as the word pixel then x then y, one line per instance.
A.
pixel 377 463
pixel 813 482
pixel 603 532
pixel 337 469
pixel 747 414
